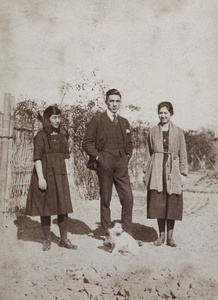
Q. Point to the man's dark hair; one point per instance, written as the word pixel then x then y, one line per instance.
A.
pixel 112 92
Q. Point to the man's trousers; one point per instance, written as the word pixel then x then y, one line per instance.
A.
pixel 114 170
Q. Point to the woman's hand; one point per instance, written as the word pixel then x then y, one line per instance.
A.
pixel 41 180
pixel 42 184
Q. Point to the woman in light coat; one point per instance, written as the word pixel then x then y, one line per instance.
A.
pixel 165 172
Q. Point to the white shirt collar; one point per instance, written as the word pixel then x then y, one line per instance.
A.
pixel 111 115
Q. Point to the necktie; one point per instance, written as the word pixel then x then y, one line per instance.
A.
pixel 115 119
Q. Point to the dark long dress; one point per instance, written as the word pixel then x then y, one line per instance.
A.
pixel 52 150
pixel 162 205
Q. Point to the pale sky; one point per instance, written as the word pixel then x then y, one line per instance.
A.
pixel 151 50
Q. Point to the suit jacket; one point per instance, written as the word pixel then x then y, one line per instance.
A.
pixel 96 136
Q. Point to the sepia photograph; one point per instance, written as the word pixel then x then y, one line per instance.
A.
pixel 108 150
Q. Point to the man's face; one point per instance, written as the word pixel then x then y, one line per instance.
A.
pixel 113 103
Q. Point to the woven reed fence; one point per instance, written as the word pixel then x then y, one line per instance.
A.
pixel 22 158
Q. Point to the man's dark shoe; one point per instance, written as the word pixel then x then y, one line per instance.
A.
pixel 66 243
pixel 99 233
pixel 107 242
pixel 46 245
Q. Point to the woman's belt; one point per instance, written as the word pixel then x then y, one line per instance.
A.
pixel 172 156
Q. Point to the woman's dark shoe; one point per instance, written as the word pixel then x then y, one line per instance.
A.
pixel 66 243
pixel 46 245
pixel 171 242
pixel 140 243
pixel 159 241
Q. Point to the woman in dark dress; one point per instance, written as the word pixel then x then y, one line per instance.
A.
pixel 165 172
pixel 49 192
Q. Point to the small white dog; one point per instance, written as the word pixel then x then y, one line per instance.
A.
pixel 121 241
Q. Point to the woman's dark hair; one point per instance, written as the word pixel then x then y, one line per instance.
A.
pixel 51 110
pixel 166 104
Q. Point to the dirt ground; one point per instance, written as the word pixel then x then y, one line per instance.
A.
pixel 188 271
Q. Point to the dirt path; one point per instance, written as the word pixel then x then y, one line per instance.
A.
pixel 186 272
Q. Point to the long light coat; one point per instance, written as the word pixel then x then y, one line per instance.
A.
pixel 176 162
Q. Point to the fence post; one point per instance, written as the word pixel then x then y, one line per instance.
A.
pixel 6 140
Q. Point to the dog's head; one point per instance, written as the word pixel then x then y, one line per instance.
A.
pixel 116 229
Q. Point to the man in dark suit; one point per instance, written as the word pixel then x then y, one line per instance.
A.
pixel 108 143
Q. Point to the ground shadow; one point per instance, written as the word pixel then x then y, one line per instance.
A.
pixel 76 226
pixel 139 232
pixel 30 230
pixel 144 233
